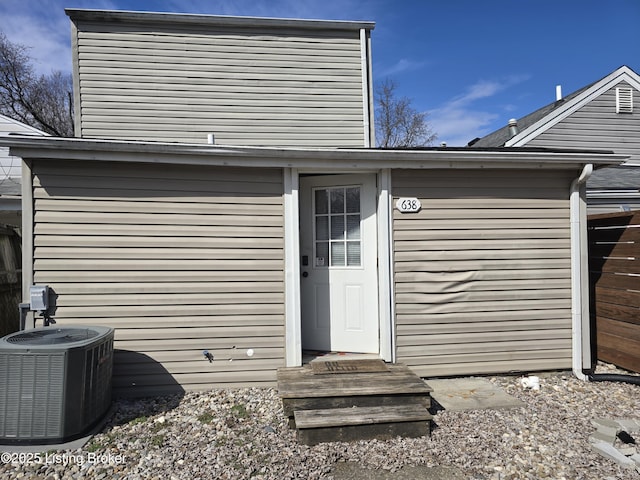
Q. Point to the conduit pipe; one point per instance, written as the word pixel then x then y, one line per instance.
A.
pixel 614 377
pixel 579 269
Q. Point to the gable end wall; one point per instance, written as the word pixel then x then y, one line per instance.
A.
pixel 597 126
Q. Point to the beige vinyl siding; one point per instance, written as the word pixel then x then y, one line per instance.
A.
pixel 597 126
pixel 262 86
pixel 179 259
pixel 482 272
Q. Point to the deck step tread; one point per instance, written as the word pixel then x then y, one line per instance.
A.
pixel 290 405
pixel 340 417
pixel 300 382
pixel 321 366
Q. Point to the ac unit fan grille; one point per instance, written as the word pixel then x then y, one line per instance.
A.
pixel 53 336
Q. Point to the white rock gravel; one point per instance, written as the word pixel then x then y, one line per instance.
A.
pixel 242 434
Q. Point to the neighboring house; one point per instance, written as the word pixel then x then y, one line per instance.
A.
pixel 10 172
pixel 602 116
pixel 453 261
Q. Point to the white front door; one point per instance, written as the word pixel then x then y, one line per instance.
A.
pixel 338 248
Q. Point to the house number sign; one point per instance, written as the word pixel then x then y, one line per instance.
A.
pixel 408 205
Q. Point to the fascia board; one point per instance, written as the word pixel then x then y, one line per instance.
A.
pixel 343 159
pixel 102 16
pixel 545 123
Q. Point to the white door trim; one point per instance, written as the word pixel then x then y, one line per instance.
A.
pixel 386 305
pixel 293 325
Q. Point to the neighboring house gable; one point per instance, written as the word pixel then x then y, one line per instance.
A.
pixel 247 81
pixel 10 172
pixel 602 116
pixel 500 137
pixel 9 126
pixel 10 166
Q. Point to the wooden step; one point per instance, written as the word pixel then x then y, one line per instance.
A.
pixel 301 389
pixel 358 401
pixel 290 405
pixel 362 423
pixel 300 382
pixel 331 365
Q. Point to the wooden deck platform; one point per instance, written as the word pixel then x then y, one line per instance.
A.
pixel 354 404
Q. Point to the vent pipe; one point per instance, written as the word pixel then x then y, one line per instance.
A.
pixel 558 93
pixel 513 128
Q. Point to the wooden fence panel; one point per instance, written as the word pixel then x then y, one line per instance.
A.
pixel 614 277
pixel 10 280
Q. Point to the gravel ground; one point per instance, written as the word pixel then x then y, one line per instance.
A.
pixel 242 434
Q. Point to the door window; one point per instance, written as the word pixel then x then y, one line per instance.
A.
pixel 337 241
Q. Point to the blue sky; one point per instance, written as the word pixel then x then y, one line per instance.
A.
pixel 470 64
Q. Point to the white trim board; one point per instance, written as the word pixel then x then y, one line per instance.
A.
pixel 293 326
pixel 385 267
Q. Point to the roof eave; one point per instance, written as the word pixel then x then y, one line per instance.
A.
pixel 97 15
pixel 321 158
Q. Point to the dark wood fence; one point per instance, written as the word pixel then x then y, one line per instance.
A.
pixel 10 280
pixel 614 277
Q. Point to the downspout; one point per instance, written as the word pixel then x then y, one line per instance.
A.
pixel 579 272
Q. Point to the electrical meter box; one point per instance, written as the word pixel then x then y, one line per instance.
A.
pixel 39 297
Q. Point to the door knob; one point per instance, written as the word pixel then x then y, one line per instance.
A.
pixel 305 274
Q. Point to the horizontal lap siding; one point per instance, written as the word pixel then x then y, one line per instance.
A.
pixel 281 87
pixel 482 272
pixel 177 259
pixel 597 126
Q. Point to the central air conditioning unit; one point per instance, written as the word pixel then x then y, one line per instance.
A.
pixel 55 383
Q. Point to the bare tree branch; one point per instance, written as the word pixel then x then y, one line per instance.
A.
pixel 44 102
pixel 398 124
